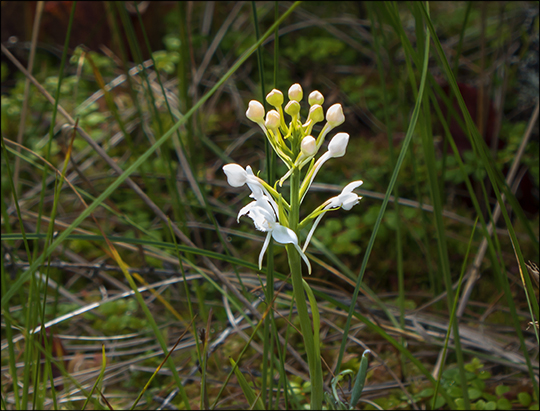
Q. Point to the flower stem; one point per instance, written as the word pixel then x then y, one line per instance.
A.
pixel 295 265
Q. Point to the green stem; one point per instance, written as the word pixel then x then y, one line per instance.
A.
pixel 298 288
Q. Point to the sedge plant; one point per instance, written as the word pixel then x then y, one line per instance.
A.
pixel 280 219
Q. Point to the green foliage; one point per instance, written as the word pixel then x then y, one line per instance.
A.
pixel 103 63
pixel 339 235
pixel 166 60
pixel 120 317
pixel 316 49
pixel 482 398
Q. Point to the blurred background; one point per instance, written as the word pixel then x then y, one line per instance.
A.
pixel 366 56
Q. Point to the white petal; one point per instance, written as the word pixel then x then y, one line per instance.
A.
pixel 313 227
pixel 245 210
pixel 351 186
pixel 236 175
pixel 264 203
pixel 261 218
pixel 284 235
pixel 304 257
pixel 349 201
pixel 265 246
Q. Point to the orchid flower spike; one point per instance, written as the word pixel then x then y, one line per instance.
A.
pixel 237 177
pixel 264 219
pixel 346 200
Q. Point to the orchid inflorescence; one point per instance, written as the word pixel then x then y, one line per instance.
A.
pixel 295 145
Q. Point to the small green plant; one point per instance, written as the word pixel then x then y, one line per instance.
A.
pixel 480 396
pixel 333 401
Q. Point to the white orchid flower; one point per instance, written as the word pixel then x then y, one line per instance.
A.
pixel 264 218
pixel 346 200
pixel 237 177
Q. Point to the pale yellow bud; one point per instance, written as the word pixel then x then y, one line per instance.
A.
pixel 315 97
pixel 255 111
pixel 316 113
pixel 295 92
pixel 308 146
pixel 272 119
pixel 334 115
pixel 275 98
pixel 292 108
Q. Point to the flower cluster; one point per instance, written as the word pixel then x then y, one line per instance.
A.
pixel 295 145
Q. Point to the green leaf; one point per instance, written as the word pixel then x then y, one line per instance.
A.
pixel 479 384
pixel 500 390
pixel 524 399
pixel 489 397
pixel 439 402
pixel 360 380
pixel 484 375
pixel 425 393
pixel 491 405
pixel 255 402
pixel 474 393
pixel 480 405
pixel 455 392
pixel 503 404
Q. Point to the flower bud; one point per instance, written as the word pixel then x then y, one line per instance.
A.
pixel 338 145
pixel 315 97
pixel 334 115
pixel 275 98
pixel 255 111
pixel 272 120
pixel 295 92
pixel 292 108
pixel 308 146
pixel 316 113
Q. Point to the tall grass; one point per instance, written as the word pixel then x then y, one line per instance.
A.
pixel 149 176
